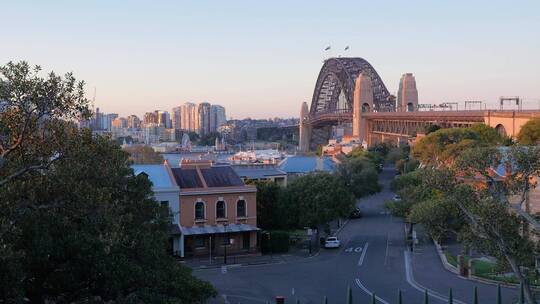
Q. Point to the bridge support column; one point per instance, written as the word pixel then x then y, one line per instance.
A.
pixel 304 129
pixel 362 103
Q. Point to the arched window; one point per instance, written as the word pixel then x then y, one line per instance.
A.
pixel 241 208
pixel 220 209
pixel 199 211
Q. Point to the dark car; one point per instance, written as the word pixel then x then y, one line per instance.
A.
pixel 356 213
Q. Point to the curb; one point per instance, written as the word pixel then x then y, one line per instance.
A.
pixel 454 270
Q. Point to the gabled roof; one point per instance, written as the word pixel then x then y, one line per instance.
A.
pixel 159 175
pixel 212 177
pixel 306 164
pixel 257 171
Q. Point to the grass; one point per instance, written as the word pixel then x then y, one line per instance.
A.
pixel 487 270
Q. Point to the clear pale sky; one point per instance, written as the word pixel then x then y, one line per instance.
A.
pixel 261 58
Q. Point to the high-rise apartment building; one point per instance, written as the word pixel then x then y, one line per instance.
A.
pixel 203 112
pixel 176 118
pixel 188 120
pixel 163 119
pixel 133 122
pixel 217 117
pixel 150 118
pixel 119 123
pixel 407 99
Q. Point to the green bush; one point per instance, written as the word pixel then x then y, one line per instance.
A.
pixel 275 242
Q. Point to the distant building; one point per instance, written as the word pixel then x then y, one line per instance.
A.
pixel 261 172
pixel 217 117
pixel 298 165
pixel 119 123
pixel 133 122
pixel 188 121
pixel 217 210
pixel 407 99
pixel 150 118
pixel 176 118
pixel 203 112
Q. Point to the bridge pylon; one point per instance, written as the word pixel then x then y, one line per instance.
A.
pixel 362 103
pixel 305 129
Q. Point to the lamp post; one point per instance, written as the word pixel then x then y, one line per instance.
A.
pixel 225 249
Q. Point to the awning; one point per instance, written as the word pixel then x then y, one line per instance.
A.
pixel 218 229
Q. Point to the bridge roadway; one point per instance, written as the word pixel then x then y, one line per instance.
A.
pixel 372 258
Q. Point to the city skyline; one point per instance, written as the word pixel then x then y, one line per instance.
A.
pixel 143 56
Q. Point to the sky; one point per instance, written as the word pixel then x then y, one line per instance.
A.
pixel 261 59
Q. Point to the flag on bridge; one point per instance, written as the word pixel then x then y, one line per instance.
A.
pixel 346 48
pixel 327 48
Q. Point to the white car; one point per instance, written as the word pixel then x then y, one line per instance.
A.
pixel 332 242
pixel 397 198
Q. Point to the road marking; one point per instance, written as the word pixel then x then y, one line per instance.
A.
pixel 386 253
pixel 355 249
pixel 410 279
pixel 369 292
pixel 361 260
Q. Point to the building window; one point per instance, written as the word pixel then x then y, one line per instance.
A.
pixel 199 242
pixel 199 211
pixel 220 209
pixel 241 208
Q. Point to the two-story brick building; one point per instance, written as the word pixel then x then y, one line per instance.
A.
pixel 217 210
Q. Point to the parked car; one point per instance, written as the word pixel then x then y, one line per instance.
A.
pixel 332 242
pixel 356 213
pixel 397 198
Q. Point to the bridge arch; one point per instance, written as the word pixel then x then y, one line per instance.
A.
pixel 334 89
pixel 501 130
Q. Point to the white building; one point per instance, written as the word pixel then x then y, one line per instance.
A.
pixel 166 193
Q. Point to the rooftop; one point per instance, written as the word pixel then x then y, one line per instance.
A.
pixel 158 174
pixel 306 164
pixel 257 171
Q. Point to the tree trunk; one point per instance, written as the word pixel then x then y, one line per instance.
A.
pixel 529 297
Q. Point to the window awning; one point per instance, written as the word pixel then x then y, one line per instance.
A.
pixel 217 229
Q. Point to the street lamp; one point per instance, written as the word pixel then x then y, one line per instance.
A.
pixel 227 236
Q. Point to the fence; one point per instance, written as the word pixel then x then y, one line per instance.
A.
pixel 399 300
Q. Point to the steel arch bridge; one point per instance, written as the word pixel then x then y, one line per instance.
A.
pixel 332 101
pixel 334 89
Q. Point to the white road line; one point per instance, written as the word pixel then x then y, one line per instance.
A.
pixel 361 260
pixel 369 292
pixel 410 279
pixel 386 253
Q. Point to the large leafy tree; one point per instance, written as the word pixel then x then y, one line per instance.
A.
pixel 496 227
pixel 270 213
pixel 360 175
pixel 141 154
pixel 317 198
pixel 88 229
pixel 75 224
pixel 530 133
pixel 33 110
pixel 442 146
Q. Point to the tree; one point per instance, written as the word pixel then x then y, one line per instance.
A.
pixel 359 175
pixel 33 112
pixel 530 133
pixel 88 230
pixel 209 139
pixel 317 198
pixel 269 215
pixel 442 146
pixel 494 224
pixel 142 154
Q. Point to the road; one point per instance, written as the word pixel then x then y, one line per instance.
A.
pixel 372 259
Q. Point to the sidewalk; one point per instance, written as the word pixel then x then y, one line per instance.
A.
pixel 246 260
pixel 429 272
